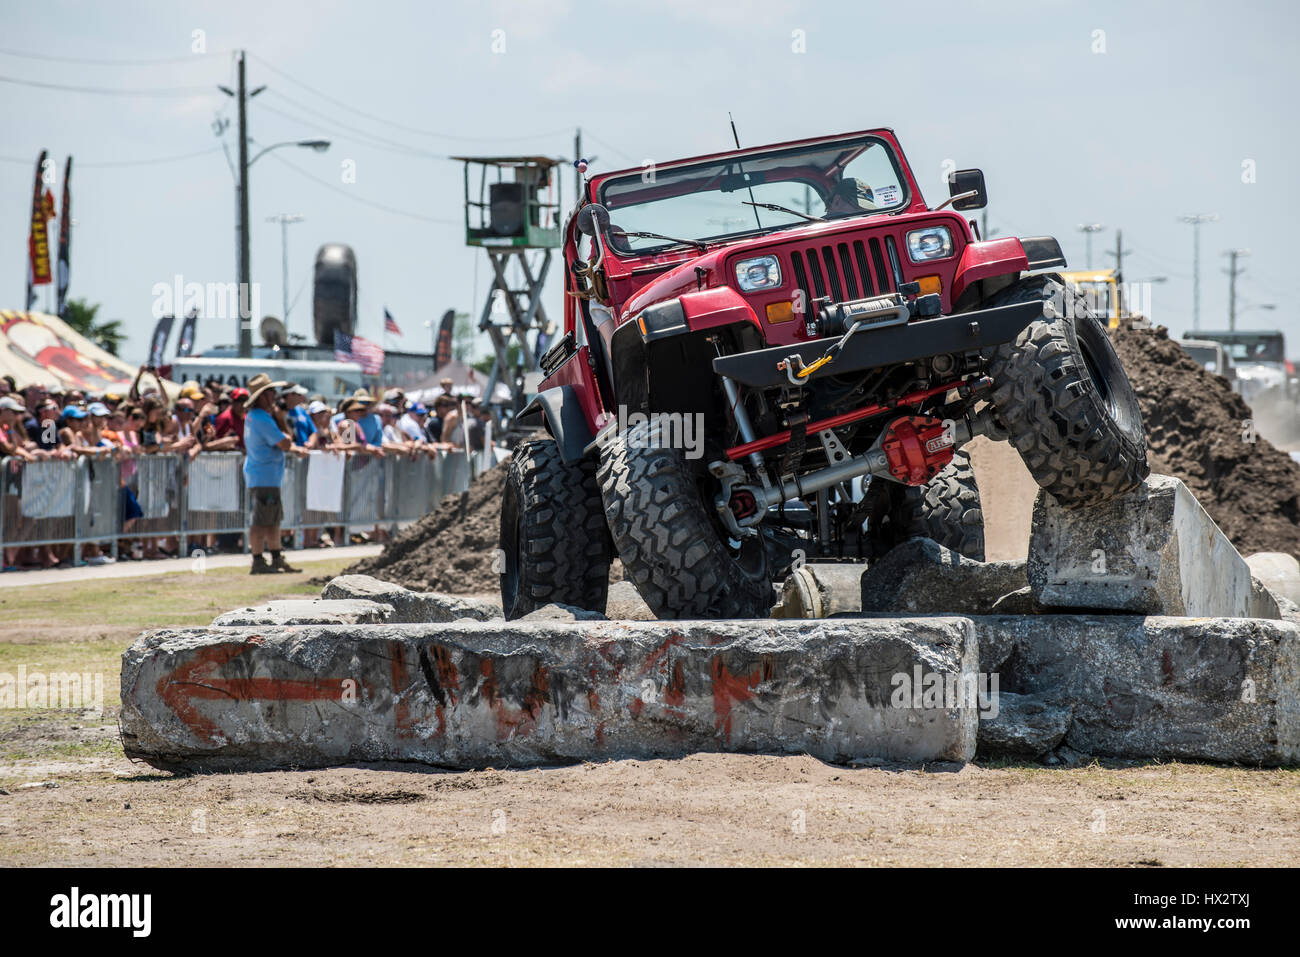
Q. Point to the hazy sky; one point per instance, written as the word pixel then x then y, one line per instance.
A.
pixel 1156 126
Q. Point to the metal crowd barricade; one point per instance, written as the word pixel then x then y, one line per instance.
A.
pixel 195 501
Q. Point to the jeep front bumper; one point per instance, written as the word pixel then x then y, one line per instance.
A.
pixel 963 332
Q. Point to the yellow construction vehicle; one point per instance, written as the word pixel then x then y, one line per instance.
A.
pixel 1102 289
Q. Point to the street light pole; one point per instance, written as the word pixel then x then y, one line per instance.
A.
pixel 242 95
pixel 284 219
pixel 1195 219
pixel 1088 229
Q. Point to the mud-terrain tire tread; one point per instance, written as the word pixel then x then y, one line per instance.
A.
pixel 946 509
pixel 566 549
pixel 1057 420
pixel 670 548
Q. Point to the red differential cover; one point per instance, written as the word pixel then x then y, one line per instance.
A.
pixel 917 446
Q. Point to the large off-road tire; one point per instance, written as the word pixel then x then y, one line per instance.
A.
pixel 673 548
pixel 556 547
pixel 1063 396
pixel 946 509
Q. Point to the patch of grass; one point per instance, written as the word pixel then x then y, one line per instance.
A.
pixel 83 626
pixel 154 601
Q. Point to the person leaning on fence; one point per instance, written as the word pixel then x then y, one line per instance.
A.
pixel 266 439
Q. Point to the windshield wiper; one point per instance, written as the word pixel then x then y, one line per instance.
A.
pixel 782 209
pixel 702 247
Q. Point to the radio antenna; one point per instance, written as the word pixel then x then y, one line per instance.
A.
pixel 757 222
pixel 733 129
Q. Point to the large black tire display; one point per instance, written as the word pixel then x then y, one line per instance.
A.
pixel 946 509
pixel 556 547
pixel 1063 396
pixel 673 548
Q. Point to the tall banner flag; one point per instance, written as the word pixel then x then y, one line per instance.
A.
pixel 442 353
pixel 65 239
pixel 185 341
pixel 38 239
pixel 158 343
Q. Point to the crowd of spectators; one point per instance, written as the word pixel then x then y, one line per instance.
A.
pixel 38 423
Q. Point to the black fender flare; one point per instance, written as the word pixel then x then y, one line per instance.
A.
pixel 560 409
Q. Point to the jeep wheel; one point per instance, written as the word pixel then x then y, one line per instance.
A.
pixel 1063 396
pixel 674 549
pixel 946 510
pixel 553 533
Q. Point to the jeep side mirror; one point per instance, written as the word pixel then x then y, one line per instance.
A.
pixel 966 181
pixel 593 217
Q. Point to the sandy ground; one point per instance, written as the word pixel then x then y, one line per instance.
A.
pixel 705 809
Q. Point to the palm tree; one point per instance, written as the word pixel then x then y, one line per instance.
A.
pixel 80 315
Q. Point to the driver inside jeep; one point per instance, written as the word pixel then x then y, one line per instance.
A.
pixel 851 195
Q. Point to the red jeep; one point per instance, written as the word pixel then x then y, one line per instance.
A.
pixel 776 353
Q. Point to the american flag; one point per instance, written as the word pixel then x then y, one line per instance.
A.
pixel 390 324
pixel 367 354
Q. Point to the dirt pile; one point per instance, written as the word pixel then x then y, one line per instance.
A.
pixel 446 551
pixel 1198 430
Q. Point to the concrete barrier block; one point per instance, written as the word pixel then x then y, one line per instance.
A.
pixel 486 694
pixel 411 606
pixel 1278 572
pixel 1213 689
pixel 309 611
pixel 920 576
pixel 1154 551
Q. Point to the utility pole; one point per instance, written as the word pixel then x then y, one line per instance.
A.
pixel 284 219
pixel 1233 271
pixel 1195 220
pixel 1119 268
pixel 1088 229
pixel 245 253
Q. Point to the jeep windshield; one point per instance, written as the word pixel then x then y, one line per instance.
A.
pixel 706 202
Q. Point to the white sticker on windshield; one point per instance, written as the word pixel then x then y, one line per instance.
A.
pixel 885 195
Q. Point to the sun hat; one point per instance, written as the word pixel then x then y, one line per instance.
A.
pixel 259 384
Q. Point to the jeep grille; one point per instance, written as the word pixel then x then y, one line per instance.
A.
pixel 843 271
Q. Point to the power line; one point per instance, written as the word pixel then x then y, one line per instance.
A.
pixel 355 131
pixel 190 57
pixel 358 199
pixel 82 164
pixel 113 91
pixel 393 123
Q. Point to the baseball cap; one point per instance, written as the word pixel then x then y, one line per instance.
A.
pixel 98 408
pixel 74 412
pixel 418 409
pixel 317 407
pixel 239 393
pixel 191 390
pixel 12 404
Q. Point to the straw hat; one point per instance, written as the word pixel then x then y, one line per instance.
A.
pixel 259 384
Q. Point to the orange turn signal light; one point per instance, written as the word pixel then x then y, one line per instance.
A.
pixel 930 284
pixel 780 311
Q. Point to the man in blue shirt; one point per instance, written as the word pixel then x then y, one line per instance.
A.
pixel 295 405
pixel 266 439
